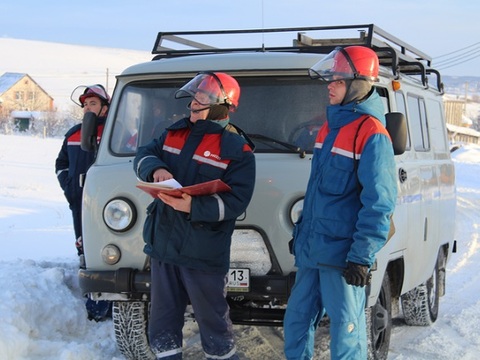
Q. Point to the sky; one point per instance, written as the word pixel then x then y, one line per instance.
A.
pixel 446 30
pixel 41 308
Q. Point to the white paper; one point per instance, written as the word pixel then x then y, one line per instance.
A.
pixel 170 183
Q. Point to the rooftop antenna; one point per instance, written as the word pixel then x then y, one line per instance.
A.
pixel 263 27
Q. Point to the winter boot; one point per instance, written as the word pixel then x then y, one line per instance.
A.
pixel 98 310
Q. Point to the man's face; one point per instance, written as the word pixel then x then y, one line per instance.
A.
pixel 200 101
pixel 94 105
pixel 337 90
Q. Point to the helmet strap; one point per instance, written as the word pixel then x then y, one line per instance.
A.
pixel 189 107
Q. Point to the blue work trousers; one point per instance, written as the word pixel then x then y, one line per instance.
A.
pixel 172 288
pixel 320 291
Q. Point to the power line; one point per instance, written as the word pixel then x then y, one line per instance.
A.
pixel 453 52
pixel 458 61
pixel 458 57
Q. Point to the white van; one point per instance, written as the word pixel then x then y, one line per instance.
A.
pixel 281 109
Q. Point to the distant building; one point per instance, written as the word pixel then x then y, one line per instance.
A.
pixel 458 125
pixel 460 134
pixel 19 92
pixel 454 110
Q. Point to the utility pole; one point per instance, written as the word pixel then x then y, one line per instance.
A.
pixel 106 82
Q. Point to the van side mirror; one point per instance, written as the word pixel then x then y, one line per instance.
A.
pixel 89 132
pixel 397 128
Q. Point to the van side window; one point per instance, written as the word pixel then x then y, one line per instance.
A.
pixel 383 93
pixel 402 107
pixel 436 121
pixel 418 123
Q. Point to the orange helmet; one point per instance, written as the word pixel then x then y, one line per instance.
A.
pixel 220 88
pixel 352 62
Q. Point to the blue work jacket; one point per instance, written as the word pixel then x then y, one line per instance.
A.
pixel 195 153
pixel 347 206
pixel 72 162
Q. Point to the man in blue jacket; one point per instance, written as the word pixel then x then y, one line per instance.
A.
pixel 71 167
pixel 72 162
pixel 189 238
pixel 345 221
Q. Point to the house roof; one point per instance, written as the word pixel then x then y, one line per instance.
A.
pixel 9 79
pixel 463 130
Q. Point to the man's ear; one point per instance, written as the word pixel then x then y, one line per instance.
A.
pixel 102 111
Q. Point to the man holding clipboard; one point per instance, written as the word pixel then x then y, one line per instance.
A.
pixel 188 238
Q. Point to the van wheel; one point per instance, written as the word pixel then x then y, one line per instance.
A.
pixel 420 305
pixel 130 324
pixel 379 323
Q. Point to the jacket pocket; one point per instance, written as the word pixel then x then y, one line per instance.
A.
pixel 336 228
pixel 207 242
pixel 149 225
pixel 336 175
pixel 208 172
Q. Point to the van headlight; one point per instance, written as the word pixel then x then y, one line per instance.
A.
pixel 111 254
pixel 296 211
pixel 119 214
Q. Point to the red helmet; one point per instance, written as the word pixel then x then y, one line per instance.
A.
pixel 221 88
pixel 352 62
pixel 83 92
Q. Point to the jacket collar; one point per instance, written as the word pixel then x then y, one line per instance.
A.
pixel 341 115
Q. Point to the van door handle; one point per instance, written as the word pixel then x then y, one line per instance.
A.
pixel 402 175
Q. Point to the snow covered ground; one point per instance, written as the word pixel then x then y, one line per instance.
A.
pixel 41 309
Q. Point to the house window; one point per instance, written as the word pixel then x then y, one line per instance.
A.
pixel 31 95
pixel 19 95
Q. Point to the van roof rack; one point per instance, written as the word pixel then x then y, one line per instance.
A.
pixel 392 52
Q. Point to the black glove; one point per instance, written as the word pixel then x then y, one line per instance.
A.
pixel 357 275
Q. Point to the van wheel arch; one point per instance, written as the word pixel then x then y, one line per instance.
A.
pixel 379 323
pixel 421 304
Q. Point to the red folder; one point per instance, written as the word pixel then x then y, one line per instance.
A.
pixel 205 188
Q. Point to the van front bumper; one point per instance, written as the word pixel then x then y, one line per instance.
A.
pixel 121 281
pixel 136 283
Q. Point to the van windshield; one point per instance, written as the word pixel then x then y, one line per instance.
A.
pixel 282 114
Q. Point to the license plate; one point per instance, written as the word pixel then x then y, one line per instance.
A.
pixel 238 280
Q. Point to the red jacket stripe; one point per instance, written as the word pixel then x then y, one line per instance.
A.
pixel 208 151
pixel 343 144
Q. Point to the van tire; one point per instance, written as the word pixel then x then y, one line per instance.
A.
pixel 420 305
pixel 130 321
pixel 379 323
